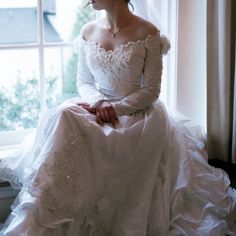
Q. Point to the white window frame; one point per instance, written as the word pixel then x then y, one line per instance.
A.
pixel 171 71
pixel 13 138
pixel 174 96
pixel 171 8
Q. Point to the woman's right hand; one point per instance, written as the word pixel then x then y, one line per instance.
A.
pixel 103 110
pixel 105 113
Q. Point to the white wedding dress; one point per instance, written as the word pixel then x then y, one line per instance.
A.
pixel 147 177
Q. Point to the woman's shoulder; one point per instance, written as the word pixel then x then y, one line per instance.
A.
pixel 146 28
pixel 87 29
pixel 152 35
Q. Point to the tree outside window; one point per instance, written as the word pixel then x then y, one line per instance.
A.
pixel 19 102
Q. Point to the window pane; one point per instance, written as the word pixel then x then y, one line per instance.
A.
pixel 19 89
pixel 18 21
pixel 62 21
pixel 60 73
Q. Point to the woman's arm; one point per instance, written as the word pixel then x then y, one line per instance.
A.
pixel 85 81
pixel 95 102
pixel 150 90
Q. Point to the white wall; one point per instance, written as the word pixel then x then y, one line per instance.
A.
pixel 191 67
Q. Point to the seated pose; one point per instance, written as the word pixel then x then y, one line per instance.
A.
pixel 114 162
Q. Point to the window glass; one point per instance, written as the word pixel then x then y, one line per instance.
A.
pixel 61 63
pixel 18 21
pixel 19 89
pixel 60 75
pixel 62 22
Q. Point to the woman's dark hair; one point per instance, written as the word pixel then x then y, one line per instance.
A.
pixel 129 2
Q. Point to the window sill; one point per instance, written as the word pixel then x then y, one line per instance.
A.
pixel 10 139
pixel 5 150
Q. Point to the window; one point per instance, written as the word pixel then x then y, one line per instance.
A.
pixel 191 60
pixel 184 74
pixel 38 66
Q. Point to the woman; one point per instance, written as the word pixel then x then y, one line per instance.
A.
pixel 115 163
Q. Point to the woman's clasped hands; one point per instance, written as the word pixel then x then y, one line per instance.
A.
pixel 103 110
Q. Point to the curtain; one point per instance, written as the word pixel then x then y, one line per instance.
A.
pixel 221 90
pixel 154 11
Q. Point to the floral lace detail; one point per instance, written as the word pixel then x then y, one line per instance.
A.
pixel 7 174
pixel 113 62
pixel 63 176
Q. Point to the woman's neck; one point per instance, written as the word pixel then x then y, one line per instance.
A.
pixel 118 16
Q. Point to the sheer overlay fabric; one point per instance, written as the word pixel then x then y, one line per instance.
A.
pixel 147 177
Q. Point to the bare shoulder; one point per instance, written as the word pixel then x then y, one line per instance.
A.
pixel 146 28
pixel 88 29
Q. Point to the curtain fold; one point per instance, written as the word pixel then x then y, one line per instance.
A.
pixel 221 92
pixel 234 97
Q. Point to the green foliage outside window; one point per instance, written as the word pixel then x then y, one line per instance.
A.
pixel 19 105
pixel 69 78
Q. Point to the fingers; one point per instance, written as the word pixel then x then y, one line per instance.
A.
pixel 82 104
pixel 113 117
pixel 87 107
pixel 90 109
pixel 104 111
pixel 108 115
pixel 99 120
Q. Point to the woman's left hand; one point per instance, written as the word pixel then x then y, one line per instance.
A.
pixel 87 107
pixel 103 110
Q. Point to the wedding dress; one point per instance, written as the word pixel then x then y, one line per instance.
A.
pixel 147 177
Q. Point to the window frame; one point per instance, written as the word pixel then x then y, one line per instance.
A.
pixel 14 138
pixel 171 15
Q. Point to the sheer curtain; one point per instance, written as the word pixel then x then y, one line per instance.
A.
pixel 221 88
pixel 163 14
pixel 154 11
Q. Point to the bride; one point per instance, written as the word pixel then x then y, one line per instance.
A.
pixel 115 162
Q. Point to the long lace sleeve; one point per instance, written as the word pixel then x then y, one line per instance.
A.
pixel 152 73
pixel 85 81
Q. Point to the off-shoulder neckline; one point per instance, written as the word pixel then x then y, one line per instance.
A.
pixel 123 45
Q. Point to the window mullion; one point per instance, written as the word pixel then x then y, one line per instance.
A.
pixel 42 81
pixel 172 59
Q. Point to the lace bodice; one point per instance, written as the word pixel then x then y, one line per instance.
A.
pixel 129 76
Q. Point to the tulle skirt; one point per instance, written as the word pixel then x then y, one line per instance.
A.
pixel 147 177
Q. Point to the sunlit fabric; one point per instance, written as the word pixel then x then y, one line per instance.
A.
pixel 147 177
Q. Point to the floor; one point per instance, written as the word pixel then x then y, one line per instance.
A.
pixel 228 167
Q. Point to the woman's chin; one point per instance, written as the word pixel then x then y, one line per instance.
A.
pixel 97 8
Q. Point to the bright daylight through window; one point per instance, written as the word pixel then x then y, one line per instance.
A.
pixel 38 66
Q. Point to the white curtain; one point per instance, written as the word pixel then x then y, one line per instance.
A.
pixel 221 80
pixel 152 10
pixel 162 13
